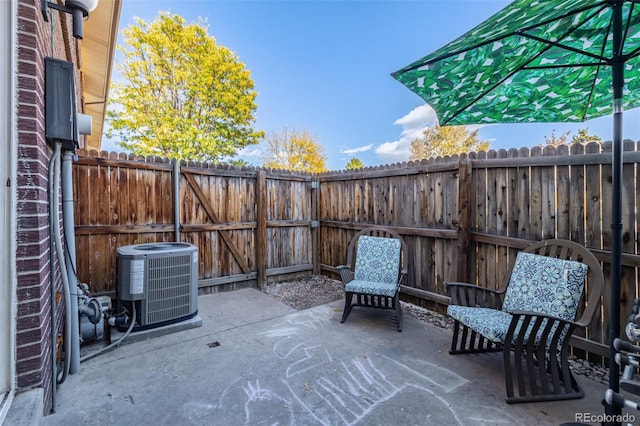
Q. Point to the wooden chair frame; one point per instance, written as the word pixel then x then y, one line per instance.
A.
pixel 373 300
pixel 536 371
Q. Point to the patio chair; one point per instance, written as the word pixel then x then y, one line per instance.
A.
pixel 532 319
pixel 380 266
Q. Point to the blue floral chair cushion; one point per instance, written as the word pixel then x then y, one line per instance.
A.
pixel 377 261
pixel 491 323
pixel 494 324
pixel 545 284
pixel 537 284
pixel 370 287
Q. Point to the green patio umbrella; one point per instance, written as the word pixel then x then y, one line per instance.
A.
pixel 543 61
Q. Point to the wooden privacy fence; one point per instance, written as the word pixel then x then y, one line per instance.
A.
pixel 249 225
pixel 464 218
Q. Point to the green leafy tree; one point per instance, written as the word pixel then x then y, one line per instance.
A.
pixel 293 150
pixel 354 163
pixel 183 96
pixel 439 141
pixel 584 137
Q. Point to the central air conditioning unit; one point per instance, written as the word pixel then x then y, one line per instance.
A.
pixel 161 279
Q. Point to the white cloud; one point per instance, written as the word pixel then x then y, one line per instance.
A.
pixel 249 151
pixel 394 152
pixel 421 116
pixel 352 151
pixel 413 124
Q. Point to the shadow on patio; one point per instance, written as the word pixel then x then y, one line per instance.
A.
pixel 257 361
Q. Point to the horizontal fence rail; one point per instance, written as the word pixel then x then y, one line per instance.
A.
pixel 464 218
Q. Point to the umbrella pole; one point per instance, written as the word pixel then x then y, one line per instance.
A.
pixel 616 255
pixel 616 201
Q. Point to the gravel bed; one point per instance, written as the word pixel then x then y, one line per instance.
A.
pixel 307 292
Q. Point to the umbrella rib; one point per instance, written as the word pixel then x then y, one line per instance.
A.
pixel 484 92
pixel 584 64
pixel 562 46
pixel 626 31
pixel 601 5
pixel 595 75
pixel 633 54
pixel 549 44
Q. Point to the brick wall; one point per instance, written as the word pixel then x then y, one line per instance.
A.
pixel 33 340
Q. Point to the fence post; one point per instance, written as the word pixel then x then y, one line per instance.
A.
pixel 464 218
pixel 176 199
pixel 315 231
pixel 261 229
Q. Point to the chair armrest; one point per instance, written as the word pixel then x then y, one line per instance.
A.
pixel 401 277
pixel 465 294
pixel 346 274
pixel 548 327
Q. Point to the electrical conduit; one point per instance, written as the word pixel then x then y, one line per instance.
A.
pixel 70 258
pixel 52 286
pixel 57 238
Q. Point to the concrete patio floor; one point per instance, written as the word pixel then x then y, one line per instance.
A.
pixel 256 361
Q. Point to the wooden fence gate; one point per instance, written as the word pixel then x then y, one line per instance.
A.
pixel 250 226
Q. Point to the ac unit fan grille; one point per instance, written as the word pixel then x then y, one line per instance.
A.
pixel 169 288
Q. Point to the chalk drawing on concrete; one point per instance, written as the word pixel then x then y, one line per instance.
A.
pixel 243 402
pixel 358 389
pixel 337 387
pixel 265 407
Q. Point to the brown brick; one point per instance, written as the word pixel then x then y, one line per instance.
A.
pixel 28 250
pixel 29 379
pixel 29 283
pixel 26 40
pixel 36 207
pixel 34 150
pixel 28 97
pixel 27 10
pixel 32 221
pixel 25 265
pixel 29 54
pixel 26 83
pixel 26 292
pixel 28 110
pixel 26 25
pixel 30 236
pixel 33 194
pixel 28 323
pixel 29 364
pixel 27 124
pixel 30 307
pixel 30 337
pixel 39 348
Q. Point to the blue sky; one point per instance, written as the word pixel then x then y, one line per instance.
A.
pixel 324 66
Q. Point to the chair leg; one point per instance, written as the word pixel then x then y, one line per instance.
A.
pixel 347 306
pixel 538 374
pixel 398 312
pixel 464 340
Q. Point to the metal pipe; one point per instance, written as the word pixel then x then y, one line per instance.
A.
pixel 52 286
pixel 52 271
pixel 57 238
pixel 70 257
pixel 176 199
pixel 616 201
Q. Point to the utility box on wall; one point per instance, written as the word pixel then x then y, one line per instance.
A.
pixel 60 103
